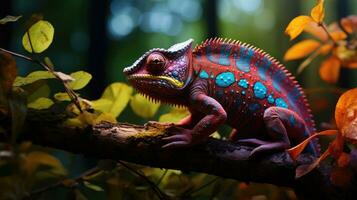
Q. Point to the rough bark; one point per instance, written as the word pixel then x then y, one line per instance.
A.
pixel 142 145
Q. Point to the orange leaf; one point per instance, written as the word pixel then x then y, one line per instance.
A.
pixel 346 114
pixel 318 12
pixel 294 152
pixel 349 23
pixel 301 49
pixel 338 35
pixel 304 169
pixel 330 69
pixel 352 64
pixel 297 25
pixel 314 29
pixel 325 49
pixel 343 160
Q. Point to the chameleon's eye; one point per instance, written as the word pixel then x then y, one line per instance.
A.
pixel 156 63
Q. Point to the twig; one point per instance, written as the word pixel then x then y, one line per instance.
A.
pixel 157 190
pixel 61 183
pixel 308 60
pixel 161 177
pixel 323 26
pixel 70 92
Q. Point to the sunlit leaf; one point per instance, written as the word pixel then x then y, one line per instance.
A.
pixel 346 114
pixel 41 35
pixel 301 49
pixel 9 18
pixel 314 29
pixel 81 120
pixel 40 103
pixel 143 107
pixel 37 158
pixel 330 69
pixel 17 102
pixel 114 99
pixel 62 96
pixel 347 56
pixel 91 186
pixel 325 49
pixel 81 79
pixel 297 25
pixel 8 72
pixel 318 12
pixel 338 35
pixel 32 77
pixel 175 115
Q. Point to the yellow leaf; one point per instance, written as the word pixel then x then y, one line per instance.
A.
pixel 41 103
pixel 32 77
pixel 314 29
pixel 62 96
pixel 114 99
pixel 41 35
pixel 330 69
pixel 325 49
pixel 81 120
pixel 175 115
pixel 36 158
pixel 297 25
pixel 338 35
pixel 346 114
pixel 301 49
pixel 107 117
pixel 143 107
pixel 81 79
pixel 318 12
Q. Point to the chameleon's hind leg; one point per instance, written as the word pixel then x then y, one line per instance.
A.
pixel 279 122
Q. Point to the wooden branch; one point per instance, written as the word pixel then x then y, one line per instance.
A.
pixel 142 145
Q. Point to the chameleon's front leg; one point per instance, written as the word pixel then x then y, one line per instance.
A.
pixel 215 116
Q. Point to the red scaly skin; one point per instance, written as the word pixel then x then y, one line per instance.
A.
pixel 226 82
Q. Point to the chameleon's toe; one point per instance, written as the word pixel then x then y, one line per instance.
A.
pixel 268 148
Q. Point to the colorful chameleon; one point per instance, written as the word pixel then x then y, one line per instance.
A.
pixel 224 81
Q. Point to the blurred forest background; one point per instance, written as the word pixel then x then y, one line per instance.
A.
pixel 102 37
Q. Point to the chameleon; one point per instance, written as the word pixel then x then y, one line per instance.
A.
pixel 224 81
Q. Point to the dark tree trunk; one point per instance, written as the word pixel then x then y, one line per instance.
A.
pixel 210 14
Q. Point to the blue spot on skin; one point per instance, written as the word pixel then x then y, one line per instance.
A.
pixel 203 74
pixel 292 120
pixel 243 62
pixel 281 103
pixel 225 79
pixel 223 55
pixel 259 90
pixel 253 107
pixel 271 99
pixel 263 68
pixel 243 83
pixel 212 76
pixel 243 92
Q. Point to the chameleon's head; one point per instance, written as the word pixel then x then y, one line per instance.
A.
pixel 162 72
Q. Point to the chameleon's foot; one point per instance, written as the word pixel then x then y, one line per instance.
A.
pixel 269 147
pixel 182 138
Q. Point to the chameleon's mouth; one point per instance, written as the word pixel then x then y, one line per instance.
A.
pixel 172 81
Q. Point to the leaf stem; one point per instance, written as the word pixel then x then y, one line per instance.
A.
pixel 323 26
pixel 158 192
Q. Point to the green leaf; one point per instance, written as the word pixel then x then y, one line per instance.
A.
pixel 175 115
pixel 92 186
pixel 36 90
pixel 114 99
pixel 81 79
pixel 17 103
pixel 48 62
pixel 62 96
pixel 9 18
pixel 143 107
pixel 41 35
pixel 32 77
pixel 40 103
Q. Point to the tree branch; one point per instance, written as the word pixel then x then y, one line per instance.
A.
pixel 142 145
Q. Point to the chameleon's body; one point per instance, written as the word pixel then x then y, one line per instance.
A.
pixel 223 81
